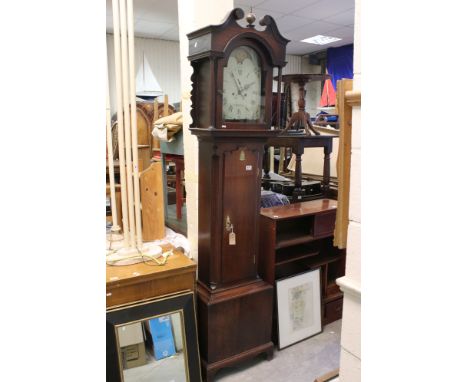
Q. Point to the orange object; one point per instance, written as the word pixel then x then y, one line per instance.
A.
pixel 328 94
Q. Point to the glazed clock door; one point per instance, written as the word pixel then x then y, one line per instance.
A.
pixel 240 209
pixel 242 86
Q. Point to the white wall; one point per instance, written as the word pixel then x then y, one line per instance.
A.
pixel 164 59
pixel 194 14
pixel 350 362
pixel 293 66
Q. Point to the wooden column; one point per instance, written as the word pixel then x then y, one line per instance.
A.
pixel 343 164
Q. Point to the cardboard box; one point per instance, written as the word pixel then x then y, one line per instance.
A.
pixel 133 355
pixel 130 334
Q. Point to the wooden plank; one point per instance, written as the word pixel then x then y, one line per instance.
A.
pixel 343 164
pixel 166 106
pixel 152 203
pixel 328 377
pixel 144 154
pixel 155 141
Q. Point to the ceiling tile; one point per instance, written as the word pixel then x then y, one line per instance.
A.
pixel 151 28
pixel 344 32
pixel 289 22
pixel 325 8
pixel 284 6
pixel 342 18
pixel 297 47
pixel 242 3
pixel 309 30
pixel 260 12
pixel 156 10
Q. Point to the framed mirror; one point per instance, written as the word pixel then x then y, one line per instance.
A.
pixel 154 340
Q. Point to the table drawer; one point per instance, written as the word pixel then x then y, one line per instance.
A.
pixel 324 224
pixel 123 294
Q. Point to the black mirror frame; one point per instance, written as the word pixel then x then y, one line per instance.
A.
pixel 183 303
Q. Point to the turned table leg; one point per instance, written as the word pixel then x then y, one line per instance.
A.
pixel 297 193
pixel 326 171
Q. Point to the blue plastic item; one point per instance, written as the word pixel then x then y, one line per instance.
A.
pixel 163 338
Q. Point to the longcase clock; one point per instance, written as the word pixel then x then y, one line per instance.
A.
pixel 231 112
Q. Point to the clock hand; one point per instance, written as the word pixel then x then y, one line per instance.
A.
pixel 238 83
pixel 249 85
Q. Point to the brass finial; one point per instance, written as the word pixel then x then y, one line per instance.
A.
pixel 250 18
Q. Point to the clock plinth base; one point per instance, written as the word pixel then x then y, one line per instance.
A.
pixel 234 324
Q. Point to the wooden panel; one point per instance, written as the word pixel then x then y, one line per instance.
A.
pixel 266 255
pixel 241 168
pixel 144 157
pixel 237 321
pixel 149 289
pixel 333 311
pixel 152 203
pixel 324 224
pixel 207 236
pixel 343 164
pixel 143 128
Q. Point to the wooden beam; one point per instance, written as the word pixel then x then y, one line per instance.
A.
pixel 343 163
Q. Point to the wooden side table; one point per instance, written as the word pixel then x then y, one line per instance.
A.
pixel 298 143
pixel 133 283
pixel 301 119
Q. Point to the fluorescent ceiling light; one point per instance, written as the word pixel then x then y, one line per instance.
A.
pixel 321 40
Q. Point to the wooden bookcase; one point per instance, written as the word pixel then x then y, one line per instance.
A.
pixel 297 238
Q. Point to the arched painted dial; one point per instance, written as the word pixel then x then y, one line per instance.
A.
pixel 242 86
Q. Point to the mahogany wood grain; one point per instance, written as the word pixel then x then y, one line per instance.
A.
pixel 298 237
pixel 234 304
pixel 234 324
pixel 299 209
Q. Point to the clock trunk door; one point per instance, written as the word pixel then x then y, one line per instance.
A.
pixel 240 200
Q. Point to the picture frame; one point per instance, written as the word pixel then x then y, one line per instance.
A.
pixel 179 306
pixel 299 307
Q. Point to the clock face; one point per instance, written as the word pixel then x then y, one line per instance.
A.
pixel 242 82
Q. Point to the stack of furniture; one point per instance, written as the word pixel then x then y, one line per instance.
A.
pixel 299 237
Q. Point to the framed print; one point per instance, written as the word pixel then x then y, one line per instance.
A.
pixel 155 340
pixel 299 307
